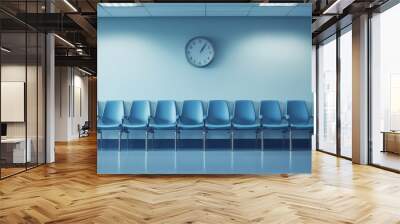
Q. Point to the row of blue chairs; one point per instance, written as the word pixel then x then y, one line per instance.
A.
pixel 192 117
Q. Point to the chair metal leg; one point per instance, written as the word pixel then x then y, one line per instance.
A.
pixel 145 150
pixel 262 139
pixel 204 149
pixel 119 141
pixel 101 140
pixel 204 140
pixel 232 140
pixel 232 143
pixel 256 138
pixel 152 138
pixel 176 134
pixel 178 138
pixel 127 140
pixel 290 139
pixel 262 147
pixel 145 141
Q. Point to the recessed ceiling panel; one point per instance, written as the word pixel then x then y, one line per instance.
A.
pixel 301 10
pixel 270 11
pixel 226 13
pixel 175 9
pixel 136 11
pixel 230 7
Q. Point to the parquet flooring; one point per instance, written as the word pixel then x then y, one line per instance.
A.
pixel 70 191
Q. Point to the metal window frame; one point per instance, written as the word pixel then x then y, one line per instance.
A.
pixel 338 153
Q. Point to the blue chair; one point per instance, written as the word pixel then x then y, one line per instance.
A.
pixel 138 118
pixel 218 117
pixel 271 118
pixel 299 117
pixel 192 117
pixel 111 118
pixel 244 117
pixel 165 117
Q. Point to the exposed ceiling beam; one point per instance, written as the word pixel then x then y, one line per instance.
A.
pixel 337 7
pixel 78 61
pixel 84 24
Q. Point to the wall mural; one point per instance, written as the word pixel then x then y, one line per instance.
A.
pixel 204 95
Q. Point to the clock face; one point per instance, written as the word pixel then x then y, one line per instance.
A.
pixel 199 52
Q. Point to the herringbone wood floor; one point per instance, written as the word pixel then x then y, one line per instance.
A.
pixel 70 191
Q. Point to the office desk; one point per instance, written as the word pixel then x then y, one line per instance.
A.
pixel 17 150
pixel 391 141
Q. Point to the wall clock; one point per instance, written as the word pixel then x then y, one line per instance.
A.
pixel 199 51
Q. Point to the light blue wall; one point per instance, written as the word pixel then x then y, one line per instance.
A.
pixel 256 58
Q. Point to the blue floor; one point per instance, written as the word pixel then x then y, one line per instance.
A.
pixel 190 158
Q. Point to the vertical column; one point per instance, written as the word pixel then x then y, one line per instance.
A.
pixel 360 90
pixel 50 98
pixel 50 91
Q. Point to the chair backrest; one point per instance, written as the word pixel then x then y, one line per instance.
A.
pixel 166 112
pixel 245 112
pixel 218 112
pixel 86 125
pixel 140 111
pixel 192 112
pixel 270 110
pixel 297 111
pixel 113 111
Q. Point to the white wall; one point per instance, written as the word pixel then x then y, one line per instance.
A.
pixel 256 58
pixel 69 112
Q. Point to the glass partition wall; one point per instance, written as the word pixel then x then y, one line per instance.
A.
pixel 385 89
pixel 334 85
pixel 327 95
pixel 22 87
pixel 345 91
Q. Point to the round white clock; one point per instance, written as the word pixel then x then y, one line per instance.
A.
pixel 199 51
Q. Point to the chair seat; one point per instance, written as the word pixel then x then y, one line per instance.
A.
pixel 107 125
pixel 190 126
pixel 245 126
pixel 282 125
pixel 163 126
pixel 306 126
pixel 218 126
pixel 134 125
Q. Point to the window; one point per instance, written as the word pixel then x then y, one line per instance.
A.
pixel 327 95
pixel 346 92
pixel 385 89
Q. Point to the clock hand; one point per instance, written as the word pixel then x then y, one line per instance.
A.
pixel 204 46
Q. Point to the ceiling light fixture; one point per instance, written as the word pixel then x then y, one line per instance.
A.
pixel 65 41
pixel 84 71
pixel 121 4
pixel 70 5
pixel 5 50
pixel 278 4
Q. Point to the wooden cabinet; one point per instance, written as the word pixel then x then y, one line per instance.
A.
pixel 391 142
